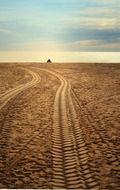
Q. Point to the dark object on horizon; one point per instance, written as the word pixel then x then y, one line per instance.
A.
pixel 49 61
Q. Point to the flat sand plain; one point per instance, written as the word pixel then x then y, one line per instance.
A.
pixel 59 126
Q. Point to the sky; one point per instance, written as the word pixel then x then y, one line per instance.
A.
pixel 63 30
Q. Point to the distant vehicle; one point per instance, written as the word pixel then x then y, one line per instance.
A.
pixel 49 61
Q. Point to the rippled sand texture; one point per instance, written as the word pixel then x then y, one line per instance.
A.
pixel 59 126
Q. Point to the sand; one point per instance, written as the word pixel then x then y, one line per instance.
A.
pixel 59 126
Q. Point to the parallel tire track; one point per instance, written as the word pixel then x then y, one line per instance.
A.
pixel 69 152
pixel 12 94
pixel 7 96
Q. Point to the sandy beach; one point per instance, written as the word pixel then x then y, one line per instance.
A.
pixel 59 126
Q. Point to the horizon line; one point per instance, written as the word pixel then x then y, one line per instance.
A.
pixel 59 62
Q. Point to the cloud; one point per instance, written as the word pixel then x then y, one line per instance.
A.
pixel 94 45
pixel 82 45
pixel 91 22
pixel 53 25
pixel 5 31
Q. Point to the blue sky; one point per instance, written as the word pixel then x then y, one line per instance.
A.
pixel 60 25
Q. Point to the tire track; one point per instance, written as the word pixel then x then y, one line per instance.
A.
pixel 94 120
pixel 65 168
pixel 104 99
pixel 100 134
pixel 26 150
pixel 82 151
pixel 22 149
pixel 69 152
pixel 7 96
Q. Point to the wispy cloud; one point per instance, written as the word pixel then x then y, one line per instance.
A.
pixel 94 45
pixel 5 31
pixel 91 22
pixel 61 25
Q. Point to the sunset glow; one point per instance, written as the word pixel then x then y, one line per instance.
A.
pixel 62 30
